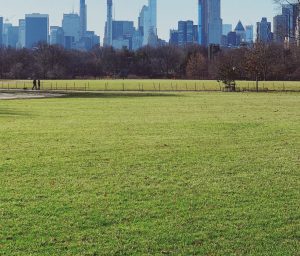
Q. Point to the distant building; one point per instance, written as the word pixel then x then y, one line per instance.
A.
pixel 263 32
pixel 57 36
pixel 5 28
pixel 280 28
pixel 10 35
pixel 226 28
pixel 209 22
pixel 22 34
pixel 122 30
pixel 83 18
pixel 148 23
pixel 240 31
pixel 143 24
pixel 137 40
pixel 173 37
pixel 121 43
pixel 249 34
pixel 186 33
pixel 1 31
pixel 36 29
pixel 108 38
pixel 71 28
pixel 291 12
pixel 69 42
pixel 233 39
pixel 152 5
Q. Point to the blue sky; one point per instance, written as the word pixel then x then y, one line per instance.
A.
pixel 169 11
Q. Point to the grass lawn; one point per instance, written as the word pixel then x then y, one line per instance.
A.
pixel 141 174
pixel 149 85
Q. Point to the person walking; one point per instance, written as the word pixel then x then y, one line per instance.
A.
pixel 39 84
pixel 34 85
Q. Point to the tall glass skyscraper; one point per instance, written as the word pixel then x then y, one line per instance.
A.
pixel 152 4
pixel 1 30
pixel 202 22
pixel 83 18
pixel 108 37
pixel 148 23
pixel 37 29
pixel 209 22
pixel 263 31
pixel 71 26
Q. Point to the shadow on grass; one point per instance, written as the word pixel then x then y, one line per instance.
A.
pixel 13 113
pixel 117 95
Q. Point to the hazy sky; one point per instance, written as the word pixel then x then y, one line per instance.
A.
pixel 169 11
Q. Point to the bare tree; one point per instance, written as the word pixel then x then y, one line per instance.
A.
pixel 196 67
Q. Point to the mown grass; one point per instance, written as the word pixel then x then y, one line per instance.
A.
pixel 139 174
pixel 150 85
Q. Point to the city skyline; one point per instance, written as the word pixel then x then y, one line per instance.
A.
pixel 180 11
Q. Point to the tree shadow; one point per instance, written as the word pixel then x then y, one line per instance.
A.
pixel 12 113
pixel 118 95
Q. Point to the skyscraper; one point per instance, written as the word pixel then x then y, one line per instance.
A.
pixel 263 33
pixel 36 29
pixel 186 33
pixel 280 28
pixel 152 4
pixel 83 18
pixel 22 34
pixel 108 38
pixel 57 36
pixel 1 30
pixel 71 27
pixel 214 22
pixel 209 22
pixel 202 22
pixel 144 24
pixel 148 23
pixel 249 34
pixel 241 32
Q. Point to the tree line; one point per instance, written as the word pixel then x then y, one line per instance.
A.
pixel 260 62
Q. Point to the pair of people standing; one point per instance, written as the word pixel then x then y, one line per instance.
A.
pixel 36 85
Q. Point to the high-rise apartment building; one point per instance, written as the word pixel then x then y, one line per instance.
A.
pixel 152 4
pixel 83 18
pixel 36 29
pixel 108 37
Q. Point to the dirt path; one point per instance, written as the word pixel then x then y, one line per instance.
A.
pixel 29 95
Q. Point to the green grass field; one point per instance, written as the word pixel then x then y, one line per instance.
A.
pixel 148 85
pixel 151 174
